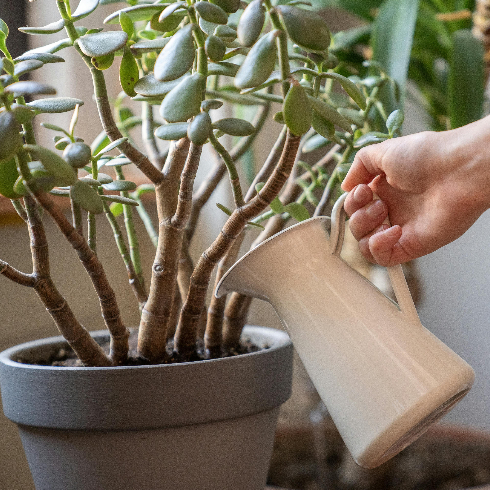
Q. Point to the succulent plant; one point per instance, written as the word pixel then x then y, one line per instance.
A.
pixel 215 70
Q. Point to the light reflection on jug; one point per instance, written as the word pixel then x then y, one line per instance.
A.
pixel 383 377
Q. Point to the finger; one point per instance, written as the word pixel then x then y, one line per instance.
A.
pixel 359 173
pixel 359 197
pixel 385 247
pixel 368 219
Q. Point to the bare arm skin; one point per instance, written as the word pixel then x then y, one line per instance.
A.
pixel 433 186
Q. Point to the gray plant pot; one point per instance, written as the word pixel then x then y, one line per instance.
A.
pixel 207 425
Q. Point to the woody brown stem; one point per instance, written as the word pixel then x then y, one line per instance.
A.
pixel 186 334
pixel 107 298
pixel 88 351
pixel 213 336
pixel 157 311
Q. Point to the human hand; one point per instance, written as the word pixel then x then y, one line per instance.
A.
pixel 428 183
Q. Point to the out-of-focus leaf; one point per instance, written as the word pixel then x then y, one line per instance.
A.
pixel 52 28
pixel 27 66
pixel 84 8
pixel 55 105
pixel 88 198
pixel 392 39
pixel 466 79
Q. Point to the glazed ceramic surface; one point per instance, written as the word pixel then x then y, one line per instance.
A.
pixel 383 377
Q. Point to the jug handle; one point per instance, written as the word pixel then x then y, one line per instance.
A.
pixel 395 273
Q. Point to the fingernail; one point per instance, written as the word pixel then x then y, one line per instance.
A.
pixel 375 209
pixel 360 193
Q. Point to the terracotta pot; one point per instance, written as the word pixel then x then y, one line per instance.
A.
pixel 203 425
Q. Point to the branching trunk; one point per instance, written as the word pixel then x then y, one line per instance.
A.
pixel 107 298
pixel 186 334
pixel 155 316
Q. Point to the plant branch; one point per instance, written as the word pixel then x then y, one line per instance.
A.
pixel 185 337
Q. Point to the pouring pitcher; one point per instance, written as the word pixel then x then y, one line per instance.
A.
pixel 383 377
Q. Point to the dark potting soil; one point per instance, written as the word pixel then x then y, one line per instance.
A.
pixel 65 357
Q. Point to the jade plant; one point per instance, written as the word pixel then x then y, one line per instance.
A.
pixel 186 64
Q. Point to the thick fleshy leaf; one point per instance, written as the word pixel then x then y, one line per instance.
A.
pixel 52 28
pixel 10 138
pixel 44 57
pixel 119 199
pixel 54 164
pixel 215 48
pixel 323 127
pixel 55 105
pixel 200 128
pixel 351 88
pixel 170 9
pixel 352 115
pixel 210 104
pixel 150 86
pixel 128 72
pixel 135 13
pixel 173 131
pixel 234 126
pixel 297 110
pixel 8 177
pixel 305 28
pixel 259 63
pixel 30 88
pixel 223 68
pixel 87 197
pixel 110 146
pixel 22 113
pixel 126 24
pixel 370 139
pixel 120 185
pixel 102 43
pixel 207 27
pixel 225 32
pixel 177 57
pixel 330 114
pixel 395 121
pixel 77 154
pixel 230 6
pixel 4 29
pixel 211 13
pixel 150 45
pixel 27 66
pixel 251 23
pixel 184 101
pixel 316 142
pixel 50 48
pixel 103 62
pixel 84 8
pixel 466 79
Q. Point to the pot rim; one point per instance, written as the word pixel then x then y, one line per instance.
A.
pixel 147 397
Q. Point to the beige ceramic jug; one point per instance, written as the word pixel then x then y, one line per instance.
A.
pixel 383 377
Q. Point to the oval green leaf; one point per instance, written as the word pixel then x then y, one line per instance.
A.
pixel 87 197
pixel 177 57
pixel 44 57
pixel 10 138
pixel 330 114
pixel 54 164
pixel 30 88
pixel 52 28
pixel 297 110
pixel 128 72
pixel 55 105
pixel 8 177
pixel 184 101
pixel 230 6
pixel 200 128
pixel 211 13
pixel 150 86
pixel 215 48
pixel 102 43
pixel 259 63
pixel 120 185
pixel 305 28
pixel 84 8
pixel 173 131
pixel 251 23
pixel 234 126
